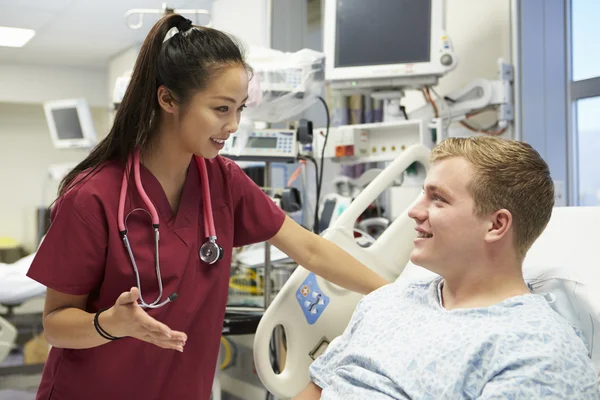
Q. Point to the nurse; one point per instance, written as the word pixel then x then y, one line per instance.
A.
pixel 184 100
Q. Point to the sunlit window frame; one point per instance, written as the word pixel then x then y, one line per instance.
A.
pixel 576 90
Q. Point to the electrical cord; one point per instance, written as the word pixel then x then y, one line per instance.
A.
pixel 448 113
pixel 320 179
pixel 487 130
pixel 428 99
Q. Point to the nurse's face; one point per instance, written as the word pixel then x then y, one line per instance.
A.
pixel 450 235
pixel 213 114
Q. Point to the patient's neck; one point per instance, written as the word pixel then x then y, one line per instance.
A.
pixel 483 285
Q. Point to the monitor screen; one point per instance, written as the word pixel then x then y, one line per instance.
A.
pixel 262 142
pixel 382 32
pixel 67 123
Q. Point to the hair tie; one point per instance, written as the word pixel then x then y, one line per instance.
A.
pixel 184 26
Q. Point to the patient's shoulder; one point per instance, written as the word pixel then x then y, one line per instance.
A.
pixel 541 351
pixel 536 325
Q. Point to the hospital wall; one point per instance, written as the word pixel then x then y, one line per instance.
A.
pixel 26 148
pixel 26 151
pixel 35 84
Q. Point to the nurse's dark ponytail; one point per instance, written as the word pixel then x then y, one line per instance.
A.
pixel 183 64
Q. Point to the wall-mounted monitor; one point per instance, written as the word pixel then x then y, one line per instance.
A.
pixel 70 124
pixel 386 43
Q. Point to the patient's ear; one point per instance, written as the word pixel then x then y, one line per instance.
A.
pixel 499 226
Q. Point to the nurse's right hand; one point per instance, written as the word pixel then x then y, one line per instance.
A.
pixel 127 318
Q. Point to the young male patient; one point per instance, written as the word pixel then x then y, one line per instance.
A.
pixel 475 332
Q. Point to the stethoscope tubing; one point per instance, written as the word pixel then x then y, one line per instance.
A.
pixel 210 252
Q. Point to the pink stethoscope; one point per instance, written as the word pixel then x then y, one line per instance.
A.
pixel 210 251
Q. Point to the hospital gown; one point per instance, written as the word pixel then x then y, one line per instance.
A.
pixel 402 344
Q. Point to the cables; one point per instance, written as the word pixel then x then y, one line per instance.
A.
pixel 470 127
pixel 320 178
pixel 483 130
pixel 428 99
pixel 296 173
pixel 447 106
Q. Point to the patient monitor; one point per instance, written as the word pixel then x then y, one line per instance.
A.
pixel 562 264
pixel 70 123
pixel 382 44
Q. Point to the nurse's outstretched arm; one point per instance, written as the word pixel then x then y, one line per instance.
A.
pixel 67 325
pixel 325 259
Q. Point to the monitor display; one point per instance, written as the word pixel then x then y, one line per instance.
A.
pixel 385 44
pixel 382 32
pixel 70 124
pixel 262 142
pixel 67 123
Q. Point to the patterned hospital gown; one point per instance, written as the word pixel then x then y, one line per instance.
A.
pixel 402 344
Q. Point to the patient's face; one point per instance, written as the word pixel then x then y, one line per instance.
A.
pixel 450 235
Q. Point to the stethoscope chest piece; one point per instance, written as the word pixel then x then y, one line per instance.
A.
pixel 211 252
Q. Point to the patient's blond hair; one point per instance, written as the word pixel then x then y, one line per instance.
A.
pixel 510 175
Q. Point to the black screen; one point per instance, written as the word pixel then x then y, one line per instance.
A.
pixel 67 123
pixel 381 32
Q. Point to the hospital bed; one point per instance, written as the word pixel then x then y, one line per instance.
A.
pixel 15 289
pixel 563 263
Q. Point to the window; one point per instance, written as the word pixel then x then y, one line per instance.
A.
pixel 585 34
pixel 588 150
pixel 585 100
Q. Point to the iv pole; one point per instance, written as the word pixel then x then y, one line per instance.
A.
pixel 165 10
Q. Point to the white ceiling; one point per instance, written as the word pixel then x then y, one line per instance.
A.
pixel 80 33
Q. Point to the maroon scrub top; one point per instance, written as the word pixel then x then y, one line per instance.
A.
pixel 83 254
